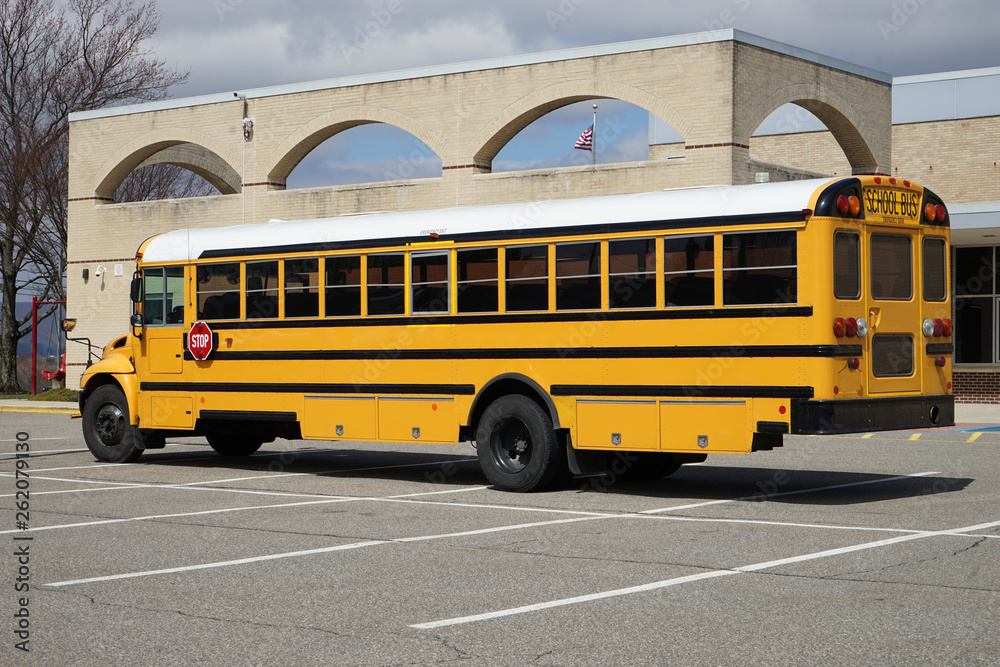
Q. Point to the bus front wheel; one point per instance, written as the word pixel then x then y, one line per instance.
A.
pixel 228 444
pixel 517 446
pixel 106 428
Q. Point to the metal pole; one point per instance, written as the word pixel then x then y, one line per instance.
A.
pixel 593 137
pixel 34 341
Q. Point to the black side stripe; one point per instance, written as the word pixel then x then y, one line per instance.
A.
pixel 940 348
pixel 520 318
pixel 700 351
pixel 685 391
pixel 310 388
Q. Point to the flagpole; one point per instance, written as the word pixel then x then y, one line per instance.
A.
pixel 593 138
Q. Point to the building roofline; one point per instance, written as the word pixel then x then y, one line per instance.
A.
pixel 634 46
pixel 946 76
pixel 974 207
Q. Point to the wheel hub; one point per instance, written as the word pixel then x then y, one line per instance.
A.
pixel 512 449
pixel 110 422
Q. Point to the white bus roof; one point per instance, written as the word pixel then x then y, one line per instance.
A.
pixel 667 205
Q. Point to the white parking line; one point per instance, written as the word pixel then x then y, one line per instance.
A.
pixel 580 516
pixel 656 585
pixel 32 440
pixel 205 566
pixel 310 552
pixel 11 456
pixel 118 486
pixel 153 517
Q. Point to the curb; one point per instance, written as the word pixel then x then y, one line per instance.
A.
pixel 39 409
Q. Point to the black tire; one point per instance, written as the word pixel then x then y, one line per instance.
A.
pixel 233 445
pixel 517 446
pixel 106 428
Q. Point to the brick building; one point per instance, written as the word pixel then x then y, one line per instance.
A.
pixel 714 89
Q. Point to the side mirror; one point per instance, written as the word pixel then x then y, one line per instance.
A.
pixel 135 320
pixel 135 290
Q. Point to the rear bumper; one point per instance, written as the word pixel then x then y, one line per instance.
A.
pixel 811 417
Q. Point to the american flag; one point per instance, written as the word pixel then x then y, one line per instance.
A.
pixel 586 140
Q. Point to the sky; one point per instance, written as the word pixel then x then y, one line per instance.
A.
pixel 230 45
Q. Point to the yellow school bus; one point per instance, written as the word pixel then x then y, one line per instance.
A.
pixel 669 325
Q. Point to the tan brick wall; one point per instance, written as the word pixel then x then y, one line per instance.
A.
pixel 957 159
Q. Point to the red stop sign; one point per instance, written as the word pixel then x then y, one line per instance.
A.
pixel 200 341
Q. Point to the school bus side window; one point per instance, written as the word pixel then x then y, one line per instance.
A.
pixel 429 274
pixel 218 291
pixel 759 268
pixel 935 269
pixel 846 265
pixel 478 281
pixel 632 273
pixel 343 286
pixel 527 278
pixel 689 270
pixel 262 290
pixel 163 296
pixel 302 287
pixel 386 284
pixel 578 276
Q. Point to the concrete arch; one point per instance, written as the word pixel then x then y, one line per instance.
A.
pixel 201 161
pixel 503 127
pixel 208 157
pixel 283 159
pixel 847 125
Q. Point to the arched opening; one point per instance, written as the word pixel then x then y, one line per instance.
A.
pixel 792 144
pixel 369 152
pixel 169 170
pixel 163 181
pixel 811 129
pixel 517 117
pixel 623 133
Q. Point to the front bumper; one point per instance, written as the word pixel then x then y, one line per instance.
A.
pixel 825 417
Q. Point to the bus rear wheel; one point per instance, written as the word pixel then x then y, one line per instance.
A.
pixel 106 428
pixel 517 446
pixel 228 444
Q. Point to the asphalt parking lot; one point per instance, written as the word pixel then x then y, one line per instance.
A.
pixel 868 549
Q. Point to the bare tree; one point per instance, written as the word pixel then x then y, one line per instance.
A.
pixel 57 57
pixel 162 181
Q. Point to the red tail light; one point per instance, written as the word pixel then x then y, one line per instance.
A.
pixel 938 328
pixel 940 213
pixel 930 213
pixel 851 327
pixel 848 205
